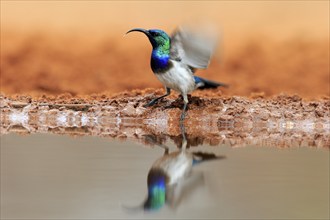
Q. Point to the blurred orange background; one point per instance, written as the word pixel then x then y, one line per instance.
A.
pixel 77 47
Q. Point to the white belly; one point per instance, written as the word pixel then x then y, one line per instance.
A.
pixel 176 165
pixel 178 78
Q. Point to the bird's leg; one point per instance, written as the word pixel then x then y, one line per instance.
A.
pixel 152 102
pixel 185 101
pixel 166 149
pixel 184 138
pixel 153 140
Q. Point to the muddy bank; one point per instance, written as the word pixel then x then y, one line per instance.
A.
pixel 282 121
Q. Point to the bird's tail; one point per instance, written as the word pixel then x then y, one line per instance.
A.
pixel 199 157
pixel 207 84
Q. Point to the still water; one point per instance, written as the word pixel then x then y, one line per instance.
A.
pixel 46 176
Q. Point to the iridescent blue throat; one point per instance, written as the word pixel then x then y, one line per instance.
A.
pixel 158 184
pixel 156 194
pixel 159 61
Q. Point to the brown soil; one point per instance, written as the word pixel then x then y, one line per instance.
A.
pixel 38 64
pixel 110 79
pixel 283 121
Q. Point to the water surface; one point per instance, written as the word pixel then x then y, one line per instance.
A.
pixel 46 176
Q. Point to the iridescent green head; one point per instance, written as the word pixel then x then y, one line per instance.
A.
pixel 159 39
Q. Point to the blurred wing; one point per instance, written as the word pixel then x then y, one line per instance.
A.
pixel 192 48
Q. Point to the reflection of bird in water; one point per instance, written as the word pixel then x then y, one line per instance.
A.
pixel 167 175
pixel 175 59
pixel 171 175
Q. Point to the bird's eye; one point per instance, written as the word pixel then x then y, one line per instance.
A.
pixel 155 33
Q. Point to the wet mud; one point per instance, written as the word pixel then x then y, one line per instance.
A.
pixel 280 121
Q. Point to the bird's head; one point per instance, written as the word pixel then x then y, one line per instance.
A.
pixel 156 191
pixel 157 38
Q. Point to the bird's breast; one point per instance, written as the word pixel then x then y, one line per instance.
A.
pixel 179 78
pixel 176 165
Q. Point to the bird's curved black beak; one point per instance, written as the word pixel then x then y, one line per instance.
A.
pixel 146 32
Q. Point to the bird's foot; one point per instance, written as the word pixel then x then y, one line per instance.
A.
pixel 183 116
pixel 148 104
pixel 154 101
pixel 151 103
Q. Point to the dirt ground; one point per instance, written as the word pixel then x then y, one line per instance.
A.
pixel 278 93
pixel 77 68
pixel 43 64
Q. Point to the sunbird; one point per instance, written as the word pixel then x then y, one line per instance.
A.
pixel 172 176
pixel 175 59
